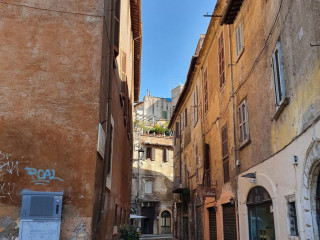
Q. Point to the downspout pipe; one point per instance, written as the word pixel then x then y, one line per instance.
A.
pixel 234 127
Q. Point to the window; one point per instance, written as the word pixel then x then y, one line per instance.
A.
pixel 206 107
pixel 239 39
pixel 164 115
pixel 224 136
pixel 165 155
pixel 293 218
pixel 149 152
pixel 182 121
pixel 207 181
pixel 221 60
pixel 278 75
pixel 115 219
pixel 243 122
pixel 195 103
pixel 110 157
pixel 177 130
pixel 116 27
pixel 197 163
pixel 186 117
pixel 148 187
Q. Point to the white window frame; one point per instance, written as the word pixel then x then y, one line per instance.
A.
pixel 243 122
pixel 239 39
pixel 278 75
pixel 145 186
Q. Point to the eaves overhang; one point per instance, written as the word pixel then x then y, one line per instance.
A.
pixel 135 7
pixel 231 11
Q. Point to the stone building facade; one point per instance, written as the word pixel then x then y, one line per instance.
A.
pixel 259 68
pixel 70 72
pixel 151 194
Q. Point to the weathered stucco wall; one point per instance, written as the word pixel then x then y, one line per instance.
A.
pixel 49 95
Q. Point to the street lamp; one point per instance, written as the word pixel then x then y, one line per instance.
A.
pixel 140 155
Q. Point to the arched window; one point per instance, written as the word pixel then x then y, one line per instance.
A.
pixel 165 222
pixel 260 211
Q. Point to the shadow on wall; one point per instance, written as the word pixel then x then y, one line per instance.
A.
pixel 162 184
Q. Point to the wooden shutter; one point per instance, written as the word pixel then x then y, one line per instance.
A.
pixel 224 142
pixel 229 222
pixel 164 155
pixel 212 224
pixel 116 27
pixel 152 154
pixel 221 60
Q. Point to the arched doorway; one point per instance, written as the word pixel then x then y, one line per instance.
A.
pixel 165 222
pixel 310 193
pixel 260 212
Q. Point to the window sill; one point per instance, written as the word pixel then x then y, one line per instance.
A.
pixel 240 54
pixel 244 144
pixel 280 108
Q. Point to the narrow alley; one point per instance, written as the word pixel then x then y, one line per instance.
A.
pixel 159 119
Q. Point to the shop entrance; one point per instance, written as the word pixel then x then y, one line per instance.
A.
pixel 260 211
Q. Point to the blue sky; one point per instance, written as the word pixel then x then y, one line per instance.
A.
pixel 171 30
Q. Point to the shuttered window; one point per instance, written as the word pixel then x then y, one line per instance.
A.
pixel 229 222
pixel 165 155
pixel 206 106
pixel 239 39
pixel 221 60
pixel 243 122
pixel 195 107
pixel 212 224
pixel 149 152
pixel 226 174
pixel 278 74
pixel 186 117
pixel 224 136
pixel 116 27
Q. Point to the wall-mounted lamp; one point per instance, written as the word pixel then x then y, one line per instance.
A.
pixel 215 208
pixel 232 200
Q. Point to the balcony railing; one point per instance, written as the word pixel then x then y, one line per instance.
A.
pixel 177 185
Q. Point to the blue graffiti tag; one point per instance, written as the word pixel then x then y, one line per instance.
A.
pixel 42 177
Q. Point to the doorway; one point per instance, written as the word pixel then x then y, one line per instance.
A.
pixel 147 223
pixel 165 222
pixel 260 212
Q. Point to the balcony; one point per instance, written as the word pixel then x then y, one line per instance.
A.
pixel 177 186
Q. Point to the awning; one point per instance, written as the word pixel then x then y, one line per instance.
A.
pixel 136 216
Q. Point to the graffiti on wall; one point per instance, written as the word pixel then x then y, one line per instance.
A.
pixel 41 176
pixel 9 166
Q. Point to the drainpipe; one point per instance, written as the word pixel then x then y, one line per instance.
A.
pixel 234 128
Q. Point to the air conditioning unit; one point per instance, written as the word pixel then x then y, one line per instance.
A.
pixel 40 215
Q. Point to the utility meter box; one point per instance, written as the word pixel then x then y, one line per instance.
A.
pixel 40 215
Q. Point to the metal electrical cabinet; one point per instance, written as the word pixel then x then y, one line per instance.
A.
pixel 40 215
